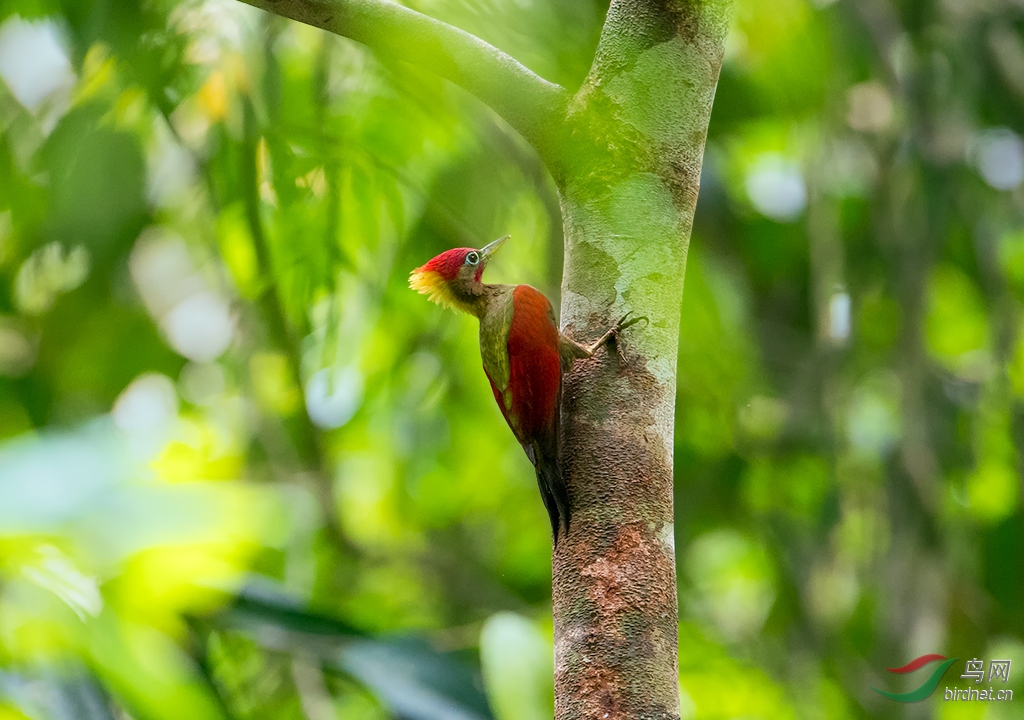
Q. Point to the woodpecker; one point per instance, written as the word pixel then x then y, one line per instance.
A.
pixel 524 357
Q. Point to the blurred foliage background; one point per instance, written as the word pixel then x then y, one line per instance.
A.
pixel 246 473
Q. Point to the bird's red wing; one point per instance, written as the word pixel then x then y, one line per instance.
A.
pixel 535 391
pixel 535 371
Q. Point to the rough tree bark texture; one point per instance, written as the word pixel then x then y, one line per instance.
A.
pixel 625 151
pixel 628 196
pixel 628 204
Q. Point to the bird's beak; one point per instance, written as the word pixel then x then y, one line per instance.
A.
pixel 490 248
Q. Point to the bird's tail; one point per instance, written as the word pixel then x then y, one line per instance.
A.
pixel 553 491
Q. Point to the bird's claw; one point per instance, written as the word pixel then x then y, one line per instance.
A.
pixel 625 321
pixel 622 355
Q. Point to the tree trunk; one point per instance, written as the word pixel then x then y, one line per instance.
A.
pixel 637 131
pixel 625 152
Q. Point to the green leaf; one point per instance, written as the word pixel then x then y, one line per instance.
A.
pixel 263 606
pixel 415 681
pixel 411 678
pixel 518 667
pixel 74 695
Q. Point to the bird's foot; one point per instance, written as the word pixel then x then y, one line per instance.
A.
pixel 625 322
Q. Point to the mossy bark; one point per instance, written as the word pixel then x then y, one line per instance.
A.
pixel 628 190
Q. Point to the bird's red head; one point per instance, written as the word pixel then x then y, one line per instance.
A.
pixel 451 276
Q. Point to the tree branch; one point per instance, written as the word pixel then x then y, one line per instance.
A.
pixel 529 103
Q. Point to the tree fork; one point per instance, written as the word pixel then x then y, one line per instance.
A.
pixel 625 151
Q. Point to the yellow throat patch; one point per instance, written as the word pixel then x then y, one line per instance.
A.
pixel 437 289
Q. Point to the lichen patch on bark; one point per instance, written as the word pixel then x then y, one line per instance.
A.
pixel 613 574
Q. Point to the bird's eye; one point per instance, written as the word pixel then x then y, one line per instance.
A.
pixel 472 258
